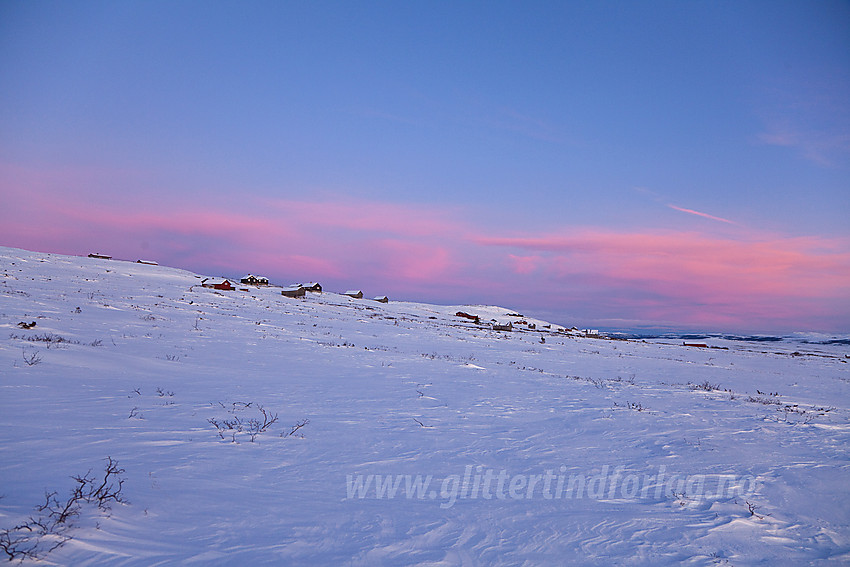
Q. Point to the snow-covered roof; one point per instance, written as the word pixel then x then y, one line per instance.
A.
pixel 293 291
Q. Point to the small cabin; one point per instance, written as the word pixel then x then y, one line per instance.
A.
pixel 382 299
pixel 500 327
pixel 355 293
pixel 315 287
pixel 294 291
pixel 218 284
pixel 698 345
pixel 100 256
pixel 147 262
pixel 251 279
pixel 474 318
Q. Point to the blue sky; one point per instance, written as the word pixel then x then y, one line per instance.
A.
pixel 507 126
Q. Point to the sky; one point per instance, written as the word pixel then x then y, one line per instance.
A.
pixel 618 165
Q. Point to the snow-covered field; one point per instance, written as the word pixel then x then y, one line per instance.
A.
pixel 405 435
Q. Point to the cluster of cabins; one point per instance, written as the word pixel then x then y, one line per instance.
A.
pixel 523 325
pixel 100 256
pixel 357 294
pixel 300 290
pixel 295 290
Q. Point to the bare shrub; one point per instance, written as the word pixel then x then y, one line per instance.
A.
pixel 32 358
pixel 636 406
pixel 296 427
pixel 50 528
pixel 251 427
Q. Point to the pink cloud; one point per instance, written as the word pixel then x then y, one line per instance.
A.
pixel 744 280
pixel 700 278
pixel 524 265
pixel 414 260
pixel 780 265
pixel 339 239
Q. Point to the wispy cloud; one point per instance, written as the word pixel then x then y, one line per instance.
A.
pixel 699 214
pixel 823 148
pixel 508 119
pixel 812 118
pixel 660 199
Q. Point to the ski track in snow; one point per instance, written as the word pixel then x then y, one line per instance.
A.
pixel 149 356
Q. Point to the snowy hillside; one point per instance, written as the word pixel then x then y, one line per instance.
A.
pixel 404 434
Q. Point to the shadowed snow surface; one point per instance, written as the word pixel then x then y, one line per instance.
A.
pixel 132 362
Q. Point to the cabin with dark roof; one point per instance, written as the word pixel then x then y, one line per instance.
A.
pixel 254 280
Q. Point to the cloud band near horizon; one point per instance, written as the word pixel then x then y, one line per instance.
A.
pixel 584 275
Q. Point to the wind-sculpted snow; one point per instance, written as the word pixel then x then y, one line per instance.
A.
pixel 253 428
